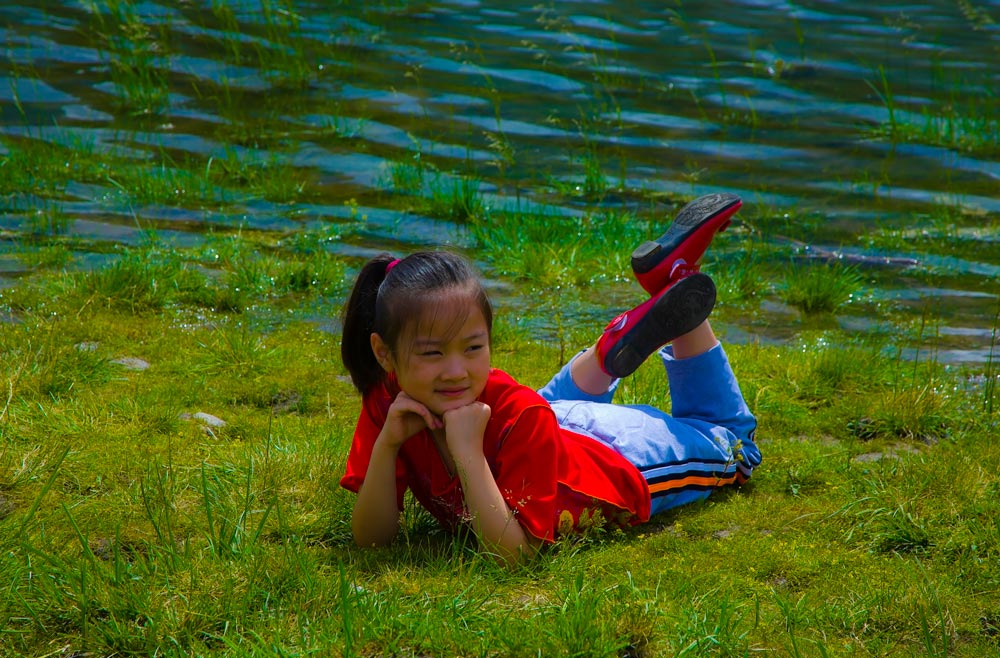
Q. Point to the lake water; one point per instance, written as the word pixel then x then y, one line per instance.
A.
pixel 854 131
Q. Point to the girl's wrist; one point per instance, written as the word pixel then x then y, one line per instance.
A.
pixel 384 444
pixel 468 458
pixel 462 450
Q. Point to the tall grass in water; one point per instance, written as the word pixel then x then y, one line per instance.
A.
pixel 285 59
pixel 406 176
pixel 992 372
pixel 248 172
pixel 135 282
pixel 551 249
pixel 44 169
pixel 46 256
pixel 279 52
pixel 34 166
pixel 136 52
pixel 702 36
pixel 820 288
pixel 741 279
pixel 49 220
pixel 911 405
pixel 969 122
pixel 271 54
pixel 595 183
pixel 457 199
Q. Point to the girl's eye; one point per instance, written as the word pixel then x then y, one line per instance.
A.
pixel 475 348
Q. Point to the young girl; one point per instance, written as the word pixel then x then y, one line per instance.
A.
pixel 521 467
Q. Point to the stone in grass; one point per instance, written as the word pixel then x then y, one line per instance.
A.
pixel 6 507
pixel 208 421
pixel 892 452
pixel 725 533
pixel 131 363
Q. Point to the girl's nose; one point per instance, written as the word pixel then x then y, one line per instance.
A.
pixel 454 368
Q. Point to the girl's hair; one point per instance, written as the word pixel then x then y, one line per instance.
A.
pixel 390 293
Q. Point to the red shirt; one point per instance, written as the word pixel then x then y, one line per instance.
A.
pixel 555 481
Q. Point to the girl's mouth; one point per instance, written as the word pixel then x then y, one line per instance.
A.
pixel 451 392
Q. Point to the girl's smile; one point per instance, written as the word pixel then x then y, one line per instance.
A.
pixel 452 392
pixel 442 368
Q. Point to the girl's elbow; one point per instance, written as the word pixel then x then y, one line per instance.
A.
pixel 519 554
pixel 368 540
pixel 370 543
pixel 517 557
pixel 366 536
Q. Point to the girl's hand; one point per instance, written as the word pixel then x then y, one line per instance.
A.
pixel 405 418
pixel 464 427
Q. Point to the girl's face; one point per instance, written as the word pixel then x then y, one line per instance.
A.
pixel 445 360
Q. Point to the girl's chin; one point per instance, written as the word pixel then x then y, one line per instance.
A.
pixel 449 405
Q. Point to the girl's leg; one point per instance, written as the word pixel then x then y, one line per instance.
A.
pixel 578 381
pixel 706 443
pixel 590 378
pixel 707 408
pixel 588 375
pixel 633 336
pixel 695 342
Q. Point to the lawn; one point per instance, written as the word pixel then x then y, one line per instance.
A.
pixel 174 428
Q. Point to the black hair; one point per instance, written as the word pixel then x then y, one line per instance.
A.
pixel 384 302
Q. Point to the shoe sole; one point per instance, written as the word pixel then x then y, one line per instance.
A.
pixel 679 310
pixel 696 215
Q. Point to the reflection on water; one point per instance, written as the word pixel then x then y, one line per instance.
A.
pixel 842 125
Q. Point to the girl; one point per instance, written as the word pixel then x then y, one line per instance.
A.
pixel 520 467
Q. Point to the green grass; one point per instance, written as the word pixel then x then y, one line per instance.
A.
pixel 406 177
pixel 426 190
pixel 50 256
pixel 945 231
pixel 742 277
pixel 548 249
pixel 595 184
pixel 130 526
pixel 45 169
pixel 820 288
pixel 47 221
pixel 967 121
pixel 135 52
pixel 34 166
pixel 456 199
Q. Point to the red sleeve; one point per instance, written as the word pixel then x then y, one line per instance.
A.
pixel 369 425
pixel 526 469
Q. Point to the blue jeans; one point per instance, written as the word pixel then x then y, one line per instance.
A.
pixel 706 442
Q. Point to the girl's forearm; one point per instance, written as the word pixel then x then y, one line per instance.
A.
pixel 375 521
pixel 492 520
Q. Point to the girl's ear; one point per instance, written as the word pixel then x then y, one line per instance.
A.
pixel 382 354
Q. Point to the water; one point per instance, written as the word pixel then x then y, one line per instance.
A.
pixel 789 105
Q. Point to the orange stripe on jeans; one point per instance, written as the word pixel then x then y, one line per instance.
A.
pixel 695 480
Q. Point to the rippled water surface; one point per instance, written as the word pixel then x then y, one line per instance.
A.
pixel 857 132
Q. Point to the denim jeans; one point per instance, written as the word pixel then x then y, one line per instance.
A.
pixel 705 442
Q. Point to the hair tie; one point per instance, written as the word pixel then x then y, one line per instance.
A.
pixel 391 265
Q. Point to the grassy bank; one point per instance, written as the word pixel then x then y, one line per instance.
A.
pixel 170 459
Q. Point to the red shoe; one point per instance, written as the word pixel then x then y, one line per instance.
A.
pixel 676 253
pixel 632 336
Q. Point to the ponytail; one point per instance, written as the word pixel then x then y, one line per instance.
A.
pixel 359 323
pixel 388 293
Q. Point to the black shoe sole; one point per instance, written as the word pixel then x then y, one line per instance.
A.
pixel 681 309
pixel 690 218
